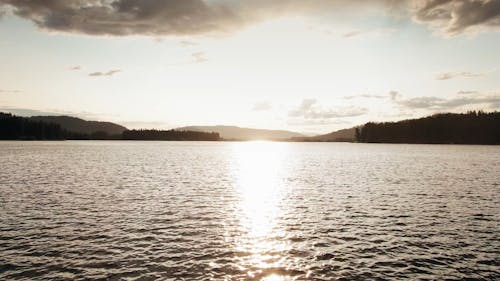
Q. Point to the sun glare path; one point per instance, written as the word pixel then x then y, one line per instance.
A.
pixel 260 173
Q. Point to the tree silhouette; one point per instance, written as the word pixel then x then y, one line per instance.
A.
pixel 473 127
pixel 20 128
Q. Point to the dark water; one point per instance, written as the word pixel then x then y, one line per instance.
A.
pixel 248 211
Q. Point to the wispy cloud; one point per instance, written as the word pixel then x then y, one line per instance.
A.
pixel 467 93
pixel 76 67
pixel 353 33
pixel 464 74
pixel 107 73
pixel 199 57
pixel 309 109
pixel 370 32
pixel 436 103
pixel 365 96
pixel 9 91
pixel 315 122
pixel 187 43
pixel 261 106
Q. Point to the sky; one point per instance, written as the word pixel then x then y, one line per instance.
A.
pixel 307 66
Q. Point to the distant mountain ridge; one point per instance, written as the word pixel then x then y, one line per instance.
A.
pixel 347 135
pixel 239 133
pixel 80 126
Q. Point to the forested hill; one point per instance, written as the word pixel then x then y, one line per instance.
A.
pixel 344 135
pixel 20 128
pixel 80 126
pixel 474 127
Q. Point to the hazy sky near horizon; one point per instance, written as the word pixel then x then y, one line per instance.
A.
pixel 307 66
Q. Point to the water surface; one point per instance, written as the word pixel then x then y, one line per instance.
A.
pixel 248 211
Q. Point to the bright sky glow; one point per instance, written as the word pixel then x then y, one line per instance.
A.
pixel 306 72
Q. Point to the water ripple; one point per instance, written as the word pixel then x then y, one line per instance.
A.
pixel 248 211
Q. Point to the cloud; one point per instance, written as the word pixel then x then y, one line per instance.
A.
pixel 199 57
pixel 3 11
pixel 394 95
pixel 367 96
pixel 173 17
pixel 436 103
pixel 467 92
pixel 262 106
pixel 372 33
pixel 77 67
pixel 186 43
pixel 195 17
pixel 452 75
pixel 9 91
pixel 127 17
pixel 107 73
pixel 452 17
pixel 309 110
pixel 309 122
pixel 352 33
pixel 304 107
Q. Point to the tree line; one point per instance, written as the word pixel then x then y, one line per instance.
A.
pixel 473 127
pixel 20 128
pixel 169 135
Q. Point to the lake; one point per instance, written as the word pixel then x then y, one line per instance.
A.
pixel 248 211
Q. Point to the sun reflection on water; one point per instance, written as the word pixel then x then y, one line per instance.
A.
pixel 260 171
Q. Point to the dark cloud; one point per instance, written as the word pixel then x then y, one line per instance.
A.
pixel 261 106
pixel 107 73
pixel 309 110
pixel 457 16
pixel 191 17
pixel 126 17
pixel 451 75
pixel 435 103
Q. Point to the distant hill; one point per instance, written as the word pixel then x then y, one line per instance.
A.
pixel 340 135
pixel 48 128
pixel 237 133
pixel 80 126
